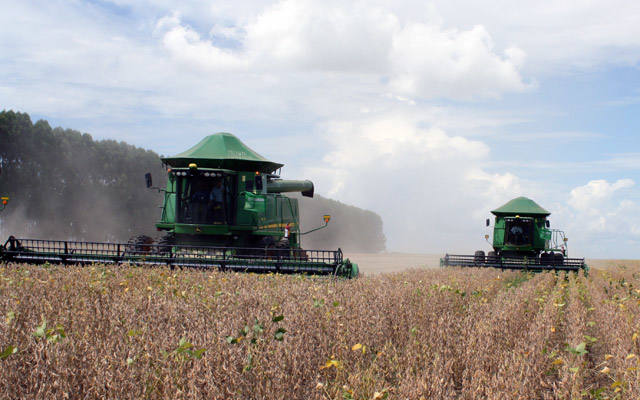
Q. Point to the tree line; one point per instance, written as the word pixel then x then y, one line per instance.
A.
pixel 63 184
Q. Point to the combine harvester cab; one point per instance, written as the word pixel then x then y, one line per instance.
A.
pixel 522 240
pixel 224 207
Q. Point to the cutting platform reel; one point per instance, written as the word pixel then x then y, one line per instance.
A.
pixel 548 262
pixel 260 260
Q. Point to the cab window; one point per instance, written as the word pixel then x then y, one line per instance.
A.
pixel 518 231
pixel 202 199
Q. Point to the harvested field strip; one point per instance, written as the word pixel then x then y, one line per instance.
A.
pixel 446 333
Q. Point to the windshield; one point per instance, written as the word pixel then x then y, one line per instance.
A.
pixel 519 232
pixel 203 199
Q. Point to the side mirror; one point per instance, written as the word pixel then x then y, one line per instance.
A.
pixel 488 222
pixel 547 223
pixel 148 179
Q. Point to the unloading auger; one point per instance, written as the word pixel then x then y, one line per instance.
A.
pixel 224 207
pixel 522 240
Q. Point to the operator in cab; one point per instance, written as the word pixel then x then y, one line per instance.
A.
pixel 216 200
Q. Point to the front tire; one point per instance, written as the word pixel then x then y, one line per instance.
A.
pixel 546 259
pixel 478 257
pixel 140 244
pixel 558 259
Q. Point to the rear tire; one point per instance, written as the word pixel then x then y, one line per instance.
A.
pixel 492 257
pixel 478 257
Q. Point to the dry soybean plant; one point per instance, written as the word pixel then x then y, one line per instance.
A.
pixel 127 332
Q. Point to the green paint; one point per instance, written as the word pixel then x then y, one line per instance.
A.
pixel 223 151
pixel 522 239
pixel 521 206
pixel 230 198
pixel 520 231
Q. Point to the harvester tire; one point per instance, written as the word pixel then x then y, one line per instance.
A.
pixel 140 244
pixel 492 257
pixel 266 242
pixel 478 257
pixel 546 258
pixel 165 244
pixel 558 259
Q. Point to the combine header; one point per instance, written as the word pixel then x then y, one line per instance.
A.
pixel 521 240
pixel 223 208
pixel 318 262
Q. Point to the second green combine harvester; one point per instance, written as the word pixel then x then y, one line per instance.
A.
pixel 223 208
pixel 522 239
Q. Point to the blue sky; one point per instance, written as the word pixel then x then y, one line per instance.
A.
pixel 428 113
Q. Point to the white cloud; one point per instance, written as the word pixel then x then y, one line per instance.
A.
pixel 187 46
pixel 558 36
pixel 428 186
pixel 594 198
pixel 555 37
pixel 458 64
pixel 419 59
pixel 326 36
pixel 602 219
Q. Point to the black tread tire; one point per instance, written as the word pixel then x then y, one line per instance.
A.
pixel 140 244
pixel 546 258
pixel 558 259
pixel 478 257
pixel 165 244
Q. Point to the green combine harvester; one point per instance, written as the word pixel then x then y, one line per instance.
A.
pixel 224 207
pixel 522 240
